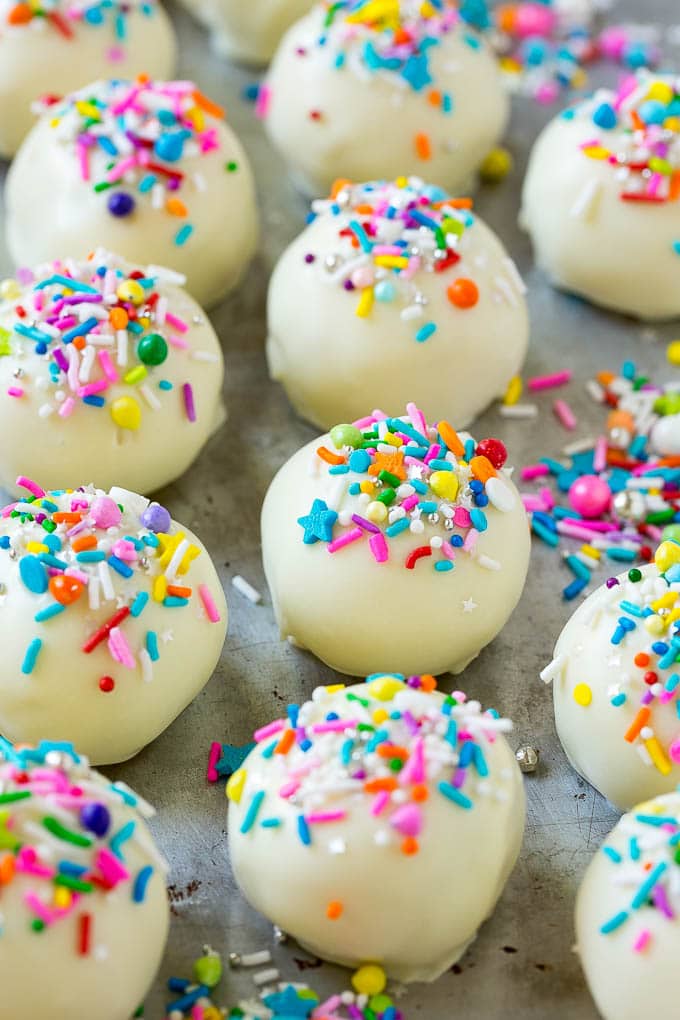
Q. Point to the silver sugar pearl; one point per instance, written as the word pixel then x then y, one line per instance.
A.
pixel 331 262
pixel 420 299
pixel 234 960
pixel 527 758
pixel 433 518
pixel 197 320
pixel 18 373
pixel 448 524
pixel 279 936
pixel 630 505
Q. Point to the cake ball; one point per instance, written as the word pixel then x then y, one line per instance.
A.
pixel 112 619
pixel 627 930
pixel 101 362
pixel 375 811
pixel 248 32
pixel 602 197
pixel 616 683
pixel 408 292
pixel 81 881
pixel 52 47
pixel 368 90
pixel 391 516
pixel 146 169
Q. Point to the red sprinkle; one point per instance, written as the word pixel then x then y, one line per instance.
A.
pixel 417 554
pixel 106 628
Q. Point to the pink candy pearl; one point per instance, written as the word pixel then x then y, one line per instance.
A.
pixel 534 19
pixel 612 42
pixel 674 752
pixel 105 512
pixel 363 277
pixel 590 496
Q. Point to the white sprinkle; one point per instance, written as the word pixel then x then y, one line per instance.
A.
pixel 86 364
pixel 518 410
pixel 93 592
pixel 257 959
pixel 553 670
pixel 150 397
pixel 45 410
pixel 594 390
pixel 265 977
pixel 506 290
pixel 514 274
pixel 157 197
pixel 147 666
pixel 411 312
pixel 579 446
pixel 585 206
pixel 173 566
pixel 168 275
pixel 122 341
pixel 205 356
pixel 242 586
pixel 488 562
pixel 105 580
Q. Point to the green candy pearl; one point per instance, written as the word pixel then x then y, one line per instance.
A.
pixel 346 435
pixel 671 533
pixel 208 970
pixel 669 403
pixel 152 349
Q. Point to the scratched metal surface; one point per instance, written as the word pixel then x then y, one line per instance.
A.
pixel 522 964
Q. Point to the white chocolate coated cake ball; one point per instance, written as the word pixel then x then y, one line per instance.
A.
pixel 627 929
pixel 602 198
pixel 81 881
pixel 397 541
pixel 146 169
pixel 101 362
pixel 51 48
pixel 374 91
pixel 112 620
pixel 395 292
pixel 379 823
pixel 248 32
pixel 616 683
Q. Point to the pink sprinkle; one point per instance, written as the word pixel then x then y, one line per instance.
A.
pixel 107 366
pixel 214 756
pixel 378 546
pixel 176 323
pixel 115 54
pixel 91 388
pixel 546 495
pixel 264 96
pixel 364 423
pixel 470 540
pixel 567 527
pixel 461 517
pixel 334 725
pixel 26 483
pixel 380 802
pixel 410 502
pixel 448 550
pixel 178 342
pixel 565 415
pixel 548 382
pixel 15 391
pixel 327 1007
pixel 124 550
pixel 189 405
pixel 408 820
pixel 320 817
pixel 212 612
pixel 111 868
pixel 532 503
pixel 268 731
pixel 78 574
pixel 417 418
pixel 35 904
pixel 121 169
pixel 350 536
pixel 119 649
pixel 288 789
pixel 642 941
pixel 532 471
pixel 83 161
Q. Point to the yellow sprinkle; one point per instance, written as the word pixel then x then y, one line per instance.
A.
pixel 666 556
pixel 235 785
pixel 135 375
pixel 658 756
pixel 62 898
pixel 672 123
pixel 392 440
pixel 514 390
pixel 401 182
pixel 197 118
pixel 334 688
pixel 510 65
pixel 665 602
pixel 391 261
pixel 590 550
pixel 37 547
pixel 365 302
pixel 672 616
pixel 583 695
pixel 384 688
pixel 444 484
pixel 160 588
pixel 10 290
pixel 380 715
pixel 87 109
pixel 596 152
pixel 673 352
pixel 367 487
pixel 662 91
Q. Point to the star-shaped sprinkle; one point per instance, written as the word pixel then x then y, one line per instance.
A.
pixel 391 462
pixel 290 1004
pixel 318 524
pixel 232 758
pixel 469 605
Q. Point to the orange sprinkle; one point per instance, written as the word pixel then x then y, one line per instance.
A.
pixel 451 438
pixel 20 14
pixel 392 751
pixel 142 79
pixel 641 659
pixel 118 318
pixel 640 720
pixel 401 36
pixel 423 146
pixel 6 869
pixel 330 458
pixel 420 792
pixel 285 743
pixel 338 184
pixel 428 682
pixel 179 591
pixel 207 105
pixel 79 342
pixel 66 517
pixel 364 209
pixel 638 123
pixel 334 910
pixel 176 207
pixel 669 461
pixel 674 189
pixel 83 543
pixel 454 203
pixel 385 784
pixel 482 468
pixel 409 846
pixel 434 97
pixel 605 378
pixel 463 293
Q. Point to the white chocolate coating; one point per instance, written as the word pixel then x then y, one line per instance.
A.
pixel 62 440
pixel 443 891
pixel 52 211
pixel 617 253
pixel 368 120
pixel 345 607
pixel 593 734
pixel 43 974
pixel 60 698
pixel 633 969
pixel 248 32
pixel 375 360
pixel 37 59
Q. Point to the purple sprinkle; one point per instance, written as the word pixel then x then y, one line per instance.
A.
pixel 366 525
pixel 309 258
pixel 360 774
pixel 611 581
pixel 189 405
pixel 58 356
pixel 348 285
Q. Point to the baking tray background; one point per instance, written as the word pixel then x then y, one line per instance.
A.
pixel 522 963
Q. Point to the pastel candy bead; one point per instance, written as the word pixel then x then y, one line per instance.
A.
pixel 384 688
pixel 444 484
pixel 666 555
pixel 105 512
pixel 590 495
pixel 33 574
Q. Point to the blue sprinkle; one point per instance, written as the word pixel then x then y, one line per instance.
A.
pixel 452 794
pixel 252 812
pixel 612 854
pixel 614 922
pixel 644 892
pixel 90 556
pixel 120 837
pixel 141 882
pixel 152 645
pixel 33 574
pixel 183 234
pixel 31 656
pixel 139 603
pixel 443 566
pixel 175 602
pixel 303 830
pixel 425 332
pixel 120 566
pixel 48 612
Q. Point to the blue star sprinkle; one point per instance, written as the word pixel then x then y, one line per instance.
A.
pixel 318 524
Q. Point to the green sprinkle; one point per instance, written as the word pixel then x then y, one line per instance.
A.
pixel 38 925
pixel 73 883
pixel 58 830
pixel 10 798
pixel 231 167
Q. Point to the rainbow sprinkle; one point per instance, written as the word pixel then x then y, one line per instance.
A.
pixel 63 17
pixel 139 142
pixel 65 838
pixel 643 855
pixel 409 479
pixel 390 234
pixel 104 557
pixel 374 741
pixel 101 333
